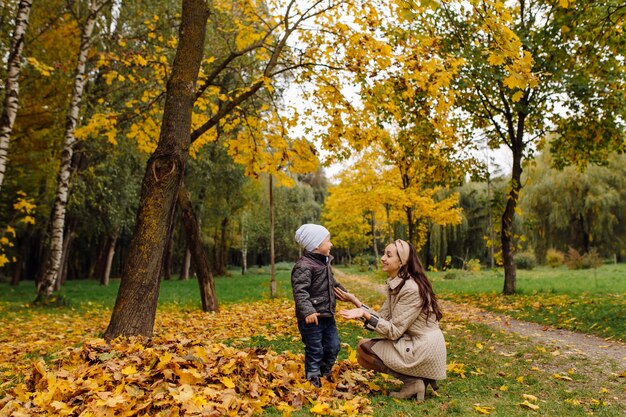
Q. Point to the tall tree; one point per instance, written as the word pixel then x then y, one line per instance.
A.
pixel 11 95
pixel 135 306
pixel 588 212
pixel 47 284
pixel 537 66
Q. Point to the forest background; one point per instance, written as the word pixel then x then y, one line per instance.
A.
pixel 404 95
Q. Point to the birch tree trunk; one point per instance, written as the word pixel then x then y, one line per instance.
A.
pixel 136 303
pixel 14 68
pixel 51 272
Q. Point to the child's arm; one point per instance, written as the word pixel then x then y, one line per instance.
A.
pixel 300 284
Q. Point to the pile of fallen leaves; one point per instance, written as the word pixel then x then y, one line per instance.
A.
pixel 185 369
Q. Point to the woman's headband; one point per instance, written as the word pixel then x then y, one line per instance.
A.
pixel 403 250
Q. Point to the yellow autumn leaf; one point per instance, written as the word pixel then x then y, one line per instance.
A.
pixel 228 383
pixel 483 409
pixel 352 356
pixel 529 397
pixel 529 405
pixel 517 96
pixel 320 408
pixel 129 370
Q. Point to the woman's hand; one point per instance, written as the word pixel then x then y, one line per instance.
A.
pixel 346 296
pixel 355 313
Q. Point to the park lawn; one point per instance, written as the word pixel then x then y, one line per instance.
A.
pixel 488 371
pixel 590 301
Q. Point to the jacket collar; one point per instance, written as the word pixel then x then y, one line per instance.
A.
pixel 394 282
pixel 318 257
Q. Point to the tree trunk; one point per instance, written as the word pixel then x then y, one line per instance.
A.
pixel 166 271
pixel 47 284
pixel 184 272
pixel 106 275
pixel 14 68
pixel 244 249
pixel 410 225
pixel 194 243
pixel 272 254
pixel 65 257
pixel 136 303
pixel 506 235
pixel 222 250
pixel 374 239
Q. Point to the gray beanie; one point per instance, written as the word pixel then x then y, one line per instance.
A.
pixel 310 236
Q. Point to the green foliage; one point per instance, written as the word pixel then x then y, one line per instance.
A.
pixel 575 208
pixel 361 263
pixel 452 274
pixel 473 265
pixel 525 260
pixel 555 258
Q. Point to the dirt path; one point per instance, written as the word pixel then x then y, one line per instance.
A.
pixel 567 342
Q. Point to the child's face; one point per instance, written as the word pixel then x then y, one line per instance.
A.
pixel 324 247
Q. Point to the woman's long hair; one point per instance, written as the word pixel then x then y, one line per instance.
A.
pixel 415 270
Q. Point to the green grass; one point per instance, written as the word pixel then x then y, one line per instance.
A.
pixel 230 289
pixel 605 280
pixel 589 301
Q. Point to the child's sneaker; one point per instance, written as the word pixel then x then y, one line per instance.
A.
pixel 315 380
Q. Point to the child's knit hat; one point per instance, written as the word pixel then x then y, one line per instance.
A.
pixel 310 236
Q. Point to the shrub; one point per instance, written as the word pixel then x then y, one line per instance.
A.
pixel 591 259
pixel 555 258
pixel 525 260
pixel 451 275
pixel 573 259
pixel 473 265
pixel 284 266
pixel 361 263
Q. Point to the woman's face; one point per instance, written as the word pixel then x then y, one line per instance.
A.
pixel 391 260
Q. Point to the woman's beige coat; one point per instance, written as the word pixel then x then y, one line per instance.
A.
pixel 412 345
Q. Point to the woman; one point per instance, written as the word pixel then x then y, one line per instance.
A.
pixel 412 347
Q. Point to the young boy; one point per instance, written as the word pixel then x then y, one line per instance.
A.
pixel 313 284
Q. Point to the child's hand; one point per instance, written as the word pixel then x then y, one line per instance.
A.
pixel 311 318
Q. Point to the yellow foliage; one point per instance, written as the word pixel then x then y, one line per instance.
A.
pixel 183 367
pixel 40 67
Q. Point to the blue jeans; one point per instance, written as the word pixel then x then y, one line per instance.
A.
pixel 321 346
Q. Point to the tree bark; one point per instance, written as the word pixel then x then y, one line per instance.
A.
pixel 272 253
pixel 244 249
pixel 12 85
pixel 106 275
pixel 194 243
pixel 222 250
pixel 47 284
pixel 506 234
pixel 186 266
pixel 374 239
pixel 136 303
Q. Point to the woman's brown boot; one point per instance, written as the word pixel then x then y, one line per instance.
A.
pixel 413 387
pixel 432 383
